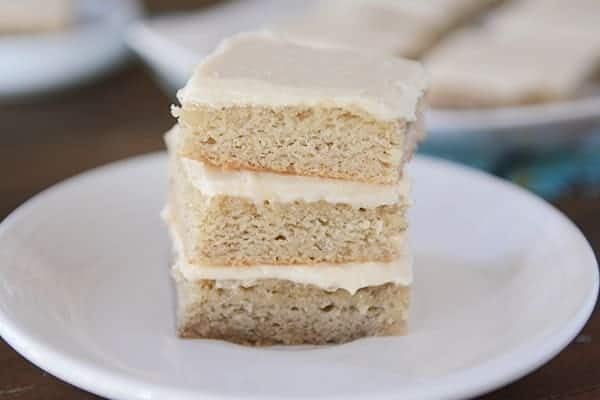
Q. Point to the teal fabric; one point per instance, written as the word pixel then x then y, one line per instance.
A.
pixel 549 174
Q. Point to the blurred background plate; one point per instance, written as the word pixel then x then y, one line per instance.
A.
pixel 38 63
pixel 544 125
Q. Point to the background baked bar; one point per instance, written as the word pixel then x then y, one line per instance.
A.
pixel 404 28
pixel 487 68
pixel 377 26
pixel 27 16
pixel 573 23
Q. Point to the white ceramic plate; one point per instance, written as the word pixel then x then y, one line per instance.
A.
pixel 37 63
pixel 172 45
pixel 503 282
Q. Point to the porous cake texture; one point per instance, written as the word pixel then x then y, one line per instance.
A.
pixel 325 141
pixel 226 230
pixel 283 312
pixel 287 197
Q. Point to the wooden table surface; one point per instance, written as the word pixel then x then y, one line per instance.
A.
pixel 124 114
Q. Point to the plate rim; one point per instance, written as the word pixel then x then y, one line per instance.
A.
pixel 451 123
pixel 482 378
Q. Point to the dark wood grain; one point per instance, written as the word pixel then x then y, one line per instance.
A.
pixel 125 114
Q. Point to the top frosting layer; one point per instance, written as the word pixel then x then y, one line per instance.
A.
pixel 260 69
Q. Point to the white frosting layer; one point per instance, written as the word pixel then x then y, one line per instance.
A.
pixel 261 186
pixel 350 277
pixel 259 69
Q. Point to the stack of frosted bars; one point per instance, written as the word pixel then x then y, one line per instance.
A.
pixel 287 195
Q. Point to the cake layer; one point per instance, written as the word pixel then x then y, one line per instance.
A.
pixel 224 230
pixel 262 103
pixel 349 277
pixel 232 231
pixel 281 312
pixel 320 142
